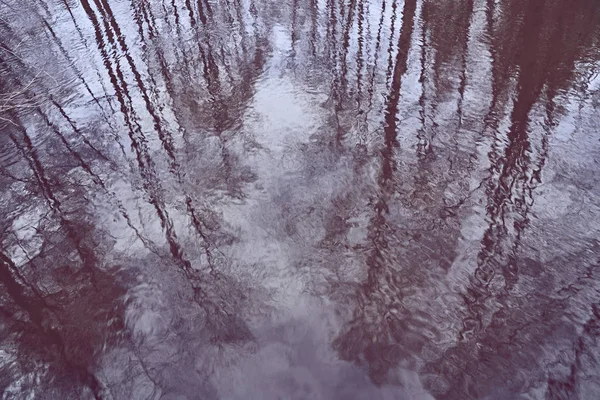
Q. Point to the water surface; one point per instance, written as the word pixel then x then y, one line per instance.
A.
pixel 299 199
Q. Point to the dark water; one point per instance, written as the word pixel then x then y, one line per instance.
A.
pixel 300 199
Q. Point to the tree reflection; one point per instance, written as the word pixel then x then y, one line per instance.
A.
pixel 544 44
pixel 383 331
pixel 60 302
pixel 64 303
pixel 140 178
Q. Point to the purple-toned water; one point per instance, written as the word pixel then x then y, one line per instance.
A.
pixel 299 199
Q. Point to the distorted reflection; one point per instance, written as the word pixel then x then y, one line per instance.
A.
pixel 307 199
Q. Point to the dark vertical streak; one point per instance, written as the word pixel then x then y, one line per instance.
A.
pixel 294 27
pixel 391 43
pixel 239 9
pixel 375 59
pixel 332 34
pixel 175 12
pixel 400 67
pixel 463 58
pixel 346 46
pixel 201 13
pixel 149 18
pixel 379 344
pixel 188 5
pixel 314 9
pixel 359 54
pixel 422 141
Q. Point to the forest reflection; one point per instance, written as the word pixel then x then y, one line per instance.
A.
pixel 302 199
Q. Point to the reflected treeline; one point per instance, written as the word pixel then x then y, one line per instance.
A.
pixel 536 48
pixel 60 304
pixel 63 302
pixel 382 332
pixel 131 155
pixel 537 45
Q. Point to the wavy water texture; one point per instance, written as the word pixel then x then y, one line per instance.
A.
pixel 305 199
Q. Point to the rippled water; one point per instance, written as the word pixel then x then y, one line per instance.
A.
pixel 299 199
